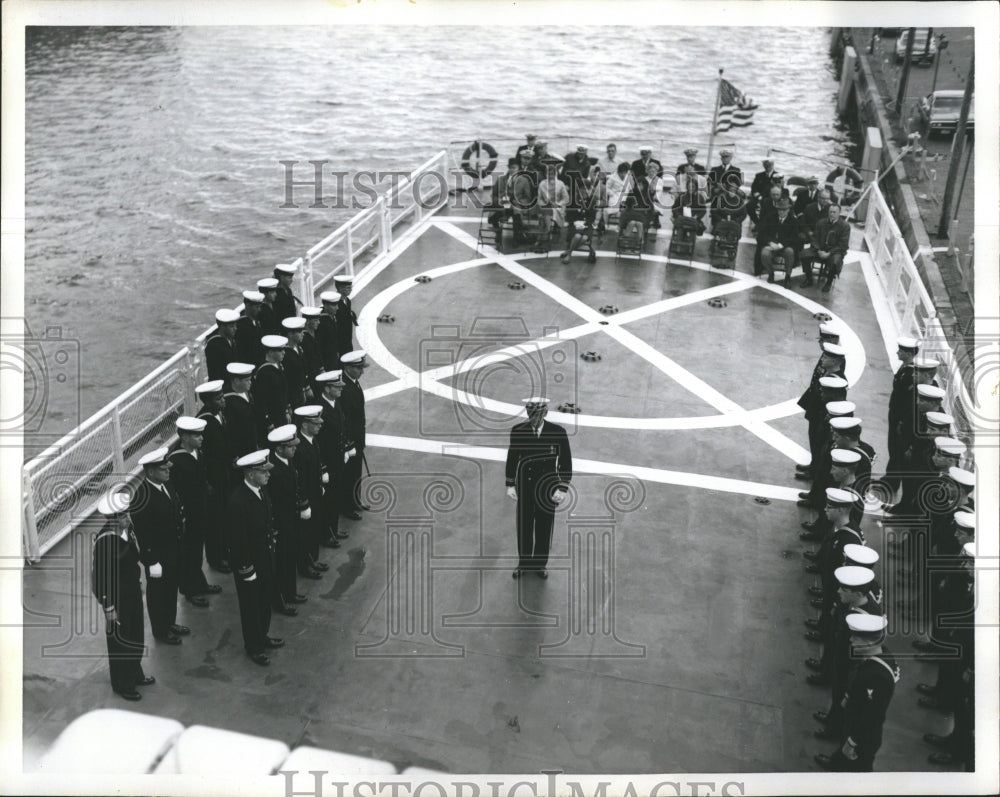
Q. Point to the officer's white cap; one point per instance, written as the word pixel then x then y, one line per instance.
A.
pixel 853 576
pixel 969 550
pixel 286 268
pixel 908 343
pixel 282 434
pixel 866 623
pixel 834 349
pixel 838 408
pixel 157 457
pixel 967 520
pixel 844 456
pixel 939 418
pixel 239 369
pixel 930 391
pixel 833 382
pixel 212 386
pixel 312 312
pixel 294 323
pixel 535 401
pixel 255 459
pixel 308 411
pixel 329 297
pixel 861 554
pixel 188 424
pixel 925 363
pixel 113 503
pixel 330 376
pixel 845 424
pixel 225 316
pixel 964 477
pixel 254 297
pixel 267 284
pixel 840 496
pixel 344 279
pixel 274 341
pixel 949 446
pixel 356 357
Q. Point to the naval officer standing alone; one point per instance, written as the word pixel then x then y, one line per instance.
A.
pixel 539 469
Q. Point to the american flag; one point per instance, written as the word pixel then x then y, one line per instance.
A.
pixel 735 108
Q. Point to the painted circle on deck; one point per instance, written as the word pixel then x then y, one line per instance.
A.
pixel 369 339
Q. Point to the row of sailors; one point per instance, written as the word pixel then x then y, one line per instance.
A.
pixel 264 515
pixel 841 472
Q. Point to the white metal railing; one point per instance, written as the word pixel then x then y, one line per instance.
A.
pixel 61 486
pixel 912 310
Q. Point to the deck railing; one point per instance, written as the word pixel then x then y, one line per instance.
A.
pixel 62 485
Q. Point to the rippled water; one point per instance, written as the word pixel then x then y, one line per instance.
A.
pixel 152 154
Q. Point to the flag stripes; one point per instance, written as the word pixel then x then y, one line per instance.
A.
pixel 735 108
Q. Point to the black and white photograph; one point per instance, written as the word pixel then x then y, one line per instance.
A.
pixel 488 399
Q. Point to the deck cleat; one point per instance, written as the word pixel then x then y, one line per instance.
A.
pixel 608 309
pixel 516 286
pixel 385 318
pixel 718 301
pixel 422 278
pixel 590 356
pixel 569 407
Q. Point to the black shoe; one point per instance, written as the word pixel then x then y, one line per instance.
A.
pixel 131 695
pixel 770 278
pixel 341 535
pixel 365 507
pixel 148 680
pixel 297 599
pixel 816 592
pixel 812 556
pixel 803 476
pixel 170 639
pixel 806 282
pixel 354 515
pixel 787 282
pixel 516 574
pixel 937 741
pixel 823 760
pixel 804 468
pixel 816 603
pixel 180 630
pixel 321 566
pixel 259 658
pixel 808 525
pixel 543 573
pixel 805 503
pixel 288 611
pixel 273 642
pixel 814 664
pixel 222 567
pixel 826 734
pixel 827 285
pixel 941 759
pixel 810 536
pixel 812 623
pixel 814 636
pixel 927 689
pixel 198 600
pixel 330 542
pixel 213 589
pixel 821 716
pixel 817 680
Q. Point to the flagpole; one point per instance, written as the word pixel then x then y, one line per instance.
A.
pixel 715 121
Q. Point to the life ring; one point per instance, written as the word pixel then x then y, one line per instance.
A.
pixel 845 182
pixel 474 149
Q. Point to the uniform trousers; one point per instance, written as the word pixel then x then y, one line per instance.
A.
pixel 534 529
pixel 126 642
pixel 161 601
pixel 255 612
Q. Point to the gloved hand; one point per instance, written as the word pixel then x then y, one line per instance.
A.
pixel 559 496
pixel 156 570
pixel 850 749
pixel 306 514
pixel 512 493
pixel 326 478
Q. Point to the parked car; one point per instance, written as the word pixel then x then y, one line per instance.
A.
pixel 919 45
pixel 939 111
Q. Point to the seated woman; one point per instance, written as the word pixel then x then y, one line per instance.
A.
pixel 618 185
pixel 638 204
pixel 583 214
pixel 553 197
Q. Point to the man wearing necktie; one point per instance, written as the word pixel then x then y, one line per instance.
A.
pixel 538 473
pixel 159 526
pixel 249 329
pixel 217 471
pixel 344 318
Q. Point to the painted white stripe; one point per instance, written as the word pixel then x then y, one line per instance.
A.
pixel 656 475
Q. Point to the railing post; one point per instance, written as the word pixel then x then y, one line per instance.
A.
pixel 30 533
pixel 350 250
pixel 386 213
pixel 119 451
pixel 306 281
pixel 190 375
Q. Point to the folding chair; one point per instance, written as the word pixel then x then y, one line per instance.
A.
pixel 488 234
pixel 683 237
pixel 725 242
pixel 631 240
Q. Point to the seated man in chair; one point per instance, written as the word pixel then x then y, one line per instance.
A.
pixel 829 242
pixel 692 193
pixel 729 204
pixel 499 208
pixel 522 191
pixel 780 234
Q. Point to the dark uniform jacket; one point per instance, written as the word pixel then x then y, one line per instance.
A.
pixel 251 534
pixel 284 304
pixel 241 425
pixel 730 174
pixel 270 397
pixel 159 524
pixel 639 167
pixel 776 230
pixel 833 238
pixel 326 336
pixel 219 352
pixel 312 357
pixel 294 366
pixel 248 345
pixel 115 572
pixel 283 490
pixel 346 319
pixel 270 323
pixel 331 441
pixel 869 692
pixel 309 471
pixel 761 184
pixel 901 398
pixel 352 402
pixel 545 457
pixel 190 480
pixel 215 452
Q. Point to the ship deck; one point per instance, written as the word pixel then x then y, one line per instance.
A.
pixel 669 635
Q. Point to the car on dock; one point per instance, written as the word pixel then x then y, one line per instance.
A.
pixel 939 111
pixel 925 46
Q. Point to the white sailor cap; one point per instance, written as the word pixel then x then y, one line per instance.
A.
pixel 188 424
pixel 867 624
pixel 828 330
pixel 846 424
pixel 840 408
pixel 853 577
pixel 645 148
pixel 283 434
pixel 969 550
pixel 114 503
pixel 860 554
pixel 535 401
pixel 337 377
pixel 274 341
pixel 908 343
pixel 844 456
pixel 930 392
pixel 356 357
pixel 254 297
pixel 833 382
pixel 841 496
pixel 967 520
pixel 691 151
pixel 255 459
pixel 964 477
pixel 225 316
pixel 156 457
pixel 239 369
pixel 344 279
pixel 834 349
pixel 312 312
pixel 938 418
pixel 267 284
pixel 329 297
pixel 949 446
pixel 926 363
pixel 285 268
pixel 294 323
pixel 212 386
pixel 307 411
